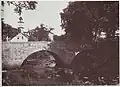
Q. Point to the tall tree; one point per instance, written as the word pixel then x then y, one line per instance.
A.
pixel 87 20
pixel 40 33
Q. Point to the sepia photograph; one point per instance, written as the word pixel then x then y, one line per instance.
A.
pixel 60 43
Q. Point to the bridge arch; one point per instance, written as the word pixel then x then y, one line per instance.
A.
pixel 38 55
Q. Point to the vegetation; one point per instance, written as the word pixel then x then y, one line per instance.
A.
pixel 37 34
pixel 40 33
pixel 88 19
pixel 8 31
pixel 84 23
pixel 20 5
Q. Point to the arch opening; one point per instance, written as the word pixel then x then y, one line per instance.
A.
pixel 42 64
pixel 49 56
pixel 38 65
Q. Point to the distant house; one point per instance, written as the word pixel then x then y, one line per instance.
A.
pixel 20 38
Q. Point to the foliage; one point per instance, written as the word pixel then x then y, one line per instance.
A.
pixel 37 34
pixel 40 33
pixel 59 38
pixel 88 19
pixel 20 5
pixel 8 31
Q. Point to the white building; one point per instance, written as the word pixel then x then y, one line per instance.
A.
pixel 19 38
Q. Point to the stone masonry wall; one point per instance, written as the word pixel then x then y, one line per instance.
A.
pixel 14 53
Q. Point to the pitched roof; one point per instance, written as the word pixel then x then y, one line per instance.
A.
pixel 25 35
pixel 22 34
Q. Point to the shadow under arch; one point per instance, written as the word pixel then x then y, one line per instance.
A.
pixel 39 55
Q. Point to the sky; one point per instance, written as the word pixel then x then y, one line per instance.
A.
pixel 47 12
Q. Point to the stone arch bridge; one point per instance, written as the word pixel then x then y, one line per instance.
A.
pixel 14 53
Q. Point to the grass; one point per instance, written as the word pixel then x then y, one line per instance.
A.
pixel 16 77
